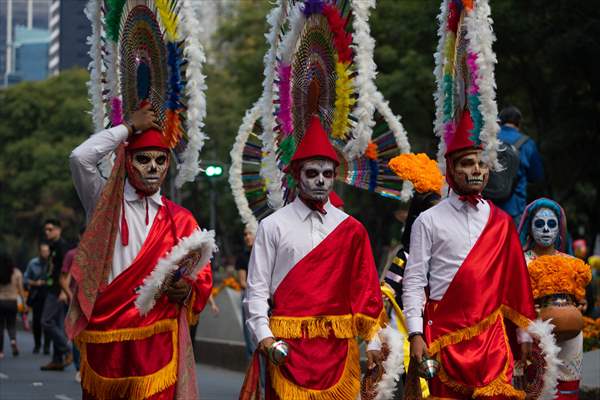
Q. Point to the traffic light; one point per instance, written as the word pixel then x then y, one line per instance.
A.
pixel 213 171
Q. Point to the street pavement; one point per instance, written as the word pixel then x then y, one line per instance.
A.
pixel 21 378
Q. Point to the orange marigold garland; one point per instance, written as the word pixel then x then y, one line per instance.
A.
pixel 559 274
pixel 422 171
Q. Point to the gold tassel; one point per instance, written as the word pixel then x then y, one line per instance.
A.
pixel 347 387
pixel 132 387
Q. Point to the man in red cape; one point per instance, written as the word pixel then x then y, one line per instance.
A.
pixel 125 354
pixel 312 282
pixel 466 253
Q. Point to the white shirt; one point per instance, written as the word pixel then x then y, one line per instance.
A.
pixel 89 183
pixel 282 239
pixel 440 240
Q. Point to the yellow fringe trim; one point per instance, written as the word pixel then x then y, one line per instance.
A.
pixel 498 386
pixel 132 387
pixel 343 326
pixel 472 331
pixel 347 387
pixel 192 317
pixel 120 335
pixel 312 327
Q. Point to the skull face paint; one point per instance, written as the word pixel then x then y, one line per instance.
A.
pixel 146 169
pixel 469 173
pixel 316 179
pixel 544 227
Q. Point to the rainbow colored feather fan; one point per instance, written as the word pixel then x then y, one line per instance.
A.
pixel 149 50
pixel 465 75
pixel 370 171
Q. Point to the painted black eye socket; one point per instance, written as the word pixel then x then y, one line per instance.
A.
pixel 142 159
pixel 311 173
pixel 552 223
pixel 161 160
pixel 328 174
pixel 540 223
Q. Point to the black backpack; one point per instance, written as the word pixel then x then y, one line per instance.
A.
pixel 502 183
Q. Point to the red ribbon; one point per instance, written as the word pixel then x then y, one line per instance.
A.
pixel 473 199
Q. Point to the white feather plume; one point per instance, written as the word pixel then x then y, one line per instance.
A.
pixel 94 40
pixel 195 89
pixel 438 96
pixel 235 171
pixel 202 240
pixel 393 364
pixel 542 331
pixel 480 37
pixel 364 81
pixel 269 170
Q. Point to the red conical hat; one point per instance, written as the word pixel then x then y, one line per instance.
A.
pixel 314 144
pixel 461 140
pixel 151 138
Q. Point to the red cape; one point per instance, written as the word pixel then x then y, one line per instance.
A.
pixel 330 296
pixel 471 330
pixel 124 353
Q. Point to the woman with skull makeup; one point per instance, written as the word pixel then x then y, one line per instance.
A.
pixel 312 282
pixel 467 252
pixel 558 282
pixel 132 227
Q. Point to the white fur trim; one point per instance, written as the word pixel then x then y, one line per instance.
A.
pixel 202 240
pixel 393 364
pixel 364 81
pixel 195 90
pixel 269 171
pixel 542 331
pixel 235 171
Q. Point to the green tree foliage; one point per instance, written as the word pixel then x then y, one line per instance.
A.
pixel 40 123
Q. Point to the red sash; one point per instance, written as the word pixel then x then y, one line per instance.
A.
pixel 330 296
pixel 471 330
pixel 125 355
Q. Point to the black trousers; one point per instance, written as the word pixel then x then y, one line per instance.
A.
pixel 8 320
pixel 37 308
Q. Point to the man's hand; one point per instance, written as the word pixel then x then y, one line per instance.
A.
pixel 177 291
pixel 418 348
pixel 374 359
pixel 265 344
pixel 143 119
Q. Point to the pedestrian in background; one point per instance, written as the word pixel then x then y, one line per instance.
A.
pixel 53 314
pixel 35 282
pixel 241 265
pixel 11 287
pixel 69 286
pixel 530 170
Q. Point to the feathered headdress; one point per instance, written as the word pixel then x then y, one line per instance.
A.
pixel 148 50
pixel 464 69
